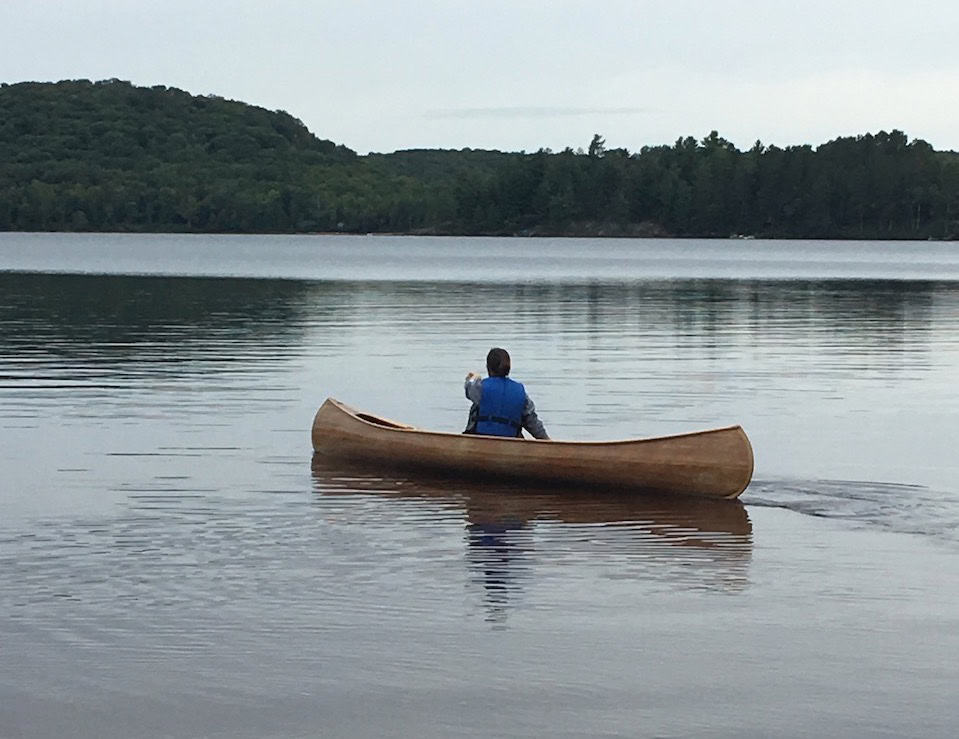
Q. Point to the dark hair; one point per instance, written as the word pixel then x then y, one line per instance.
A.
pixel 497 362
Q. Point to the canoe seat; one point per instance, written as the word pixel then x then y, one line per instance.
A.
pixel 382 421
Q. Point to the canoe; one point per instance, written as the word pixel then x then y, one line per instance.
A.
pixel 717 463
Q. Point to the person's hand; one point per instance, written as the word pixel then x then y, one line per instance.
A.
pixel 470 376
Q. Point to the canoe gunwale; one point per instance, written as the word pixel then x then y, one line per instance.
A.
pixel 390 425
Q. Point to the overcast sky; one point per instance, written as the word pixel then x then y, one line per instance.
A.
pixel 515 75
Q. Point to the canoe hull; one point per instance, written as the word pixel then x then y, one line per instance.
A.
pixel 716 463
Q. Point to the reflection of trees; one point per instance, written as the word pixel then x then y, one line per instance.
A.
pixel 513 528
pixel 102 318
pixel 871 315
pixel 868 313
pixel 130 315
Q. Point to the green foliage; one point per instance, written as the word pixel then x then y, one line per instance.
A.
pixel 99 156
pixel 79 155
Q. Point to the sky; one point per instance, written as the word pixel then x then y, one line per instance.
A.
pixel 520 75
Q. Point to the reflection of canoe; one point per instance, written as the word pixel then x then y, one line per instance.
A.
pixel 717 463
pixel 516 530
pixel 688 521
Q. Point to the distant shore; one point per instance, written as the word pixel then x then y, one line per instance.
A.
pixel 609 232
pixel 109 156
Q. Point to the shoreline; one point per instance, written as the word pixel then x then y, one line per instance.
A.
pixel 493 235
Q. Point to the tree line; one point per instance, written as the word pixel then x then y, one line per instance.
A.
pixel 109 156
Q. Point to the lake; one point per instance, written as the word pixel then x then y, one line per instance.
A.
pixel 173 561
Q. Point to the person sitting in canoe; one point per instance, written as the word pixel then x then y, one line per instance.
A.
pixel 501 406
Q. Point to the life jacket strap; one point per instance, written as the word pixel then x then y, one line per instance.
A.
pixel 499 419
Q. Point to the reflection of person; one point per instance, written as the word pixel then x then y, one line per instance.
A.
pixel 498 560
pixel 501 406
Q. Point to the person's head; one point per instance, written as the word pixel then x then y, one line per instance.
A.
pixel 497 362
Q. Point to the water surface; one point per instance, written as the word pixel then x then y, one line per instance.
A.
pixel 174 562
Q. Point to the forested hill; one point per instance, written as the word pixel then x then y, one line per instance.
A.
pixel 109 156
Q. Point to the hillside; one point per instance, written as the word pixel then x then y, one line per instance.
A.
pixel 109 156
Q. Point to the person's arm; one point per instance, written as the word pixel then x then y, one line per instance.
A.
pixel 531 421
pixel 473 387
pixel 474 391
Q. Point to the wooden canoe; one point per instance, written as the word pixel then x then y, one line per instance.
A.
pixel 716 463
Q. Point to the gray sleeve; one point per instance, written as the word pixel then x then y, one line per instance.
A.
pixel 474 389
pixel 531 421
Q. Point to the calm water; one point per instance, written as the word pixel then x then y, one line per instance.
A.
pixel 174 563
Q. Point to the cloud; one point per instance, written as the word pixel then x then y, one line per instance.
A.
pixel 530 112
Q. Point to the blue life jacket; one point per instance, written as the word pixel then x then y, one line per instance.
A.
pixel 501 407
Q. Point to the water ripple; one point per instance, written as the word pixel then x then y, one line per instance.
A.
pixel 911 509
